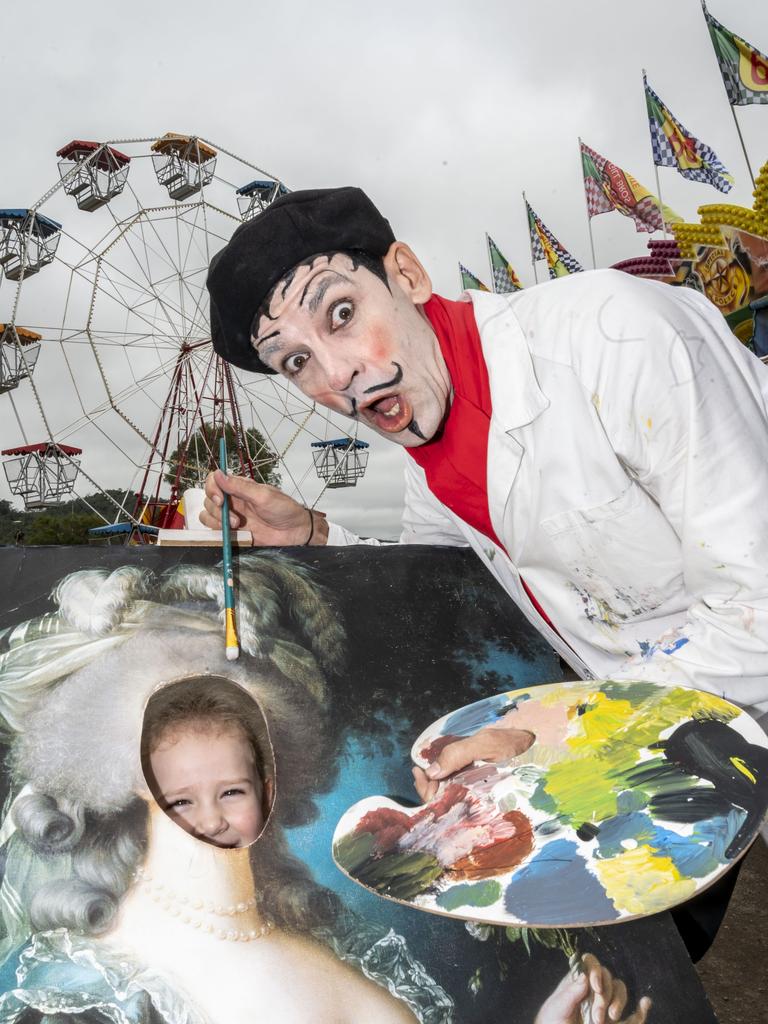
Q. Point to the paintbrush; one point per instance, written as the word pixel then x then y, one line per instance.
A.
pixel 230 633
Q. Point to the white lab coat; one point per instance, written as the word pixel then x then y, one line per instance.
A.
pixel 627 480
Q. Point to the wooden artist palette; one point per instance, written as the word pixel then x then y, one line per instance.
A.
pixel 633 798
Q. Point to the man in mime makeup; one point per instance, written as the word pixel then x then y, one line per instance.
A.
pixel 600 442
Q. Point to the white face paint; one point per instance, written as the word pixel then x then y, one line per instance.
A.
pixel 350 344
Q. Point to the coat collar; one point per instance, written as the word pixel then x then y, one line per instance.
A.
pixel 516 400
pixel 516 396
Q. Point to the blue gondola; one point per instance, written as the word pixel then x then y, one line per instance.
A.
pixel 28 241
pixel 256 196
pixel 125 532
pixel 341 461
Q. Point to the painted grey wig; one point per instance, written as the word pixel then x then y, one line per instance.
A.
pixel 116 638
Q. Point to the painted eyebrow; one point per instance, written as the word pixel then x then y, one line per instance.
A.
pixel 323 287
pixel 266 338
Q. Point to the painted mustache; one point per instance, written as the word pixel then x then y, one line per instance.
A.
pixel 380 387
pixel 387 384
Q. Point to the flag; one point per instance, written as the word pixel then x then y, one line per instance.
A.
pixel 468 280
pixel 504 277
pixel 544 246
pixel 674 146
pixel 744 69
pixel 609 188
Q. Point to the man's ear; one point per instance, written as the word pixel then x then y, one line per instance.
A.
pixel 405 270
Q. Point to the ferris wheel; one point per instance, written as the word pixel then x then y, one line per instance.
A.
pixel 108 380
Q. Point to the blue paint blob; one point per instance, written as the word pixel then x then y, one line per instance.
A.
pixel 556 888
pixel 694 856
pixel 468 720
pixel 649 648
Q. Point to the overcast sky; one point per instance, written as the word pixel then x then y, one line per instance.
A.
pixel 443 112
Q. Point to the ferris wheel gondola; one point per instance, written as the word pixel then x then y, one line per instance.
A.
pixel 92 173
pixel 19 349
pixel 256 196
pixel 41 474
pixel 115 358
pixel 341 462
pixel 28 242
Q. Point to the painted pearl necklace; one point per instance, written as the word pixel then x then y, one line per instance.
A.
pixel 177 906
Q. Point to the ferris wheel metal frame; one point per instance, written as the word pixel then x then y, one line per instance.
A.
pixel 131 265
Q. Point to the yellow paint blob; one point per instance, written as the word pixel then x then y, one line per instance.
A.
pixel 605 741
pixel 649 422
pixel 638 882
pixel 739 764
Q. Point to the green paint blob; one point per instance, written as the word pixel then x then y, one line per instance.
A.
pixel 400 875
pixel 635 692
pixel 352 851
pixel 605 759
pixel 541 800
pixel 477 894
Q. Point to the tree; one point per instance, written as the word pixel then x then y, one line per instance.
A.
pixel 201 454
pixel 11 522
pixel 60 529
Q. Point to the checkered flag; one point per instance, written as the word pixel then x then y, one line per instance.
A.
pixel 674 146
pixel 544 246
pixel 470 280
pixel 608 188
pixel 505 279
pixel 744 68
pixel 537 249
pixel 598 199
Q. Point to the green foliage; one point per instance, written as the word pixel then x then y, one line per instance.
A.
pixel 550 938
pixel 201 455
pixel 67 523
pixel 67 529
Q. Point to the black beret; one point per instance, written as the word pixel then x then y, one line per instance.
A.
pixel 294 227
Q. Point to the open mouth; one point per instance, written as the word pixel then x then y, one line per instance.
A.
pixel 390 414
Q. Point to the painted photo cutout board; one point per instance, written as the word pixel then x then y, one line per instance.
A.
pixel 632 799
pixel 120 905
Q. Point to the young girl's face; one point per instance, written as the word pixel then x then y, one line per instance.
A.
pixel 207 782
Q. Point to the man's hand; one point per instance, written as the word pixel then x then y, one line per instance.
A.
pixel 607 995
pixel 272 517
pixel 486 745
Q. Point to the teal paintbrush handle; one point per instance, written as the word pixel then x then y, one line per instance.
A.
pixel 226 536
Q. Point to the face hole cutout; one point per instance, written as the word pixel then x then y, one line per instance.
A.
pixel 208 761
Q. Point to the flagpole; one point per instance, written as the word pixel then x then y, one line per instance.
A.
pixel 586 203
pixel 533 261
pixel 741 140
pixel 661 201
pixel 732 108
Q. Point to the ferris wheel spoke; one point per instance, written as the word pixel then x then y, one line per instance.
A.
pixel 175 267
